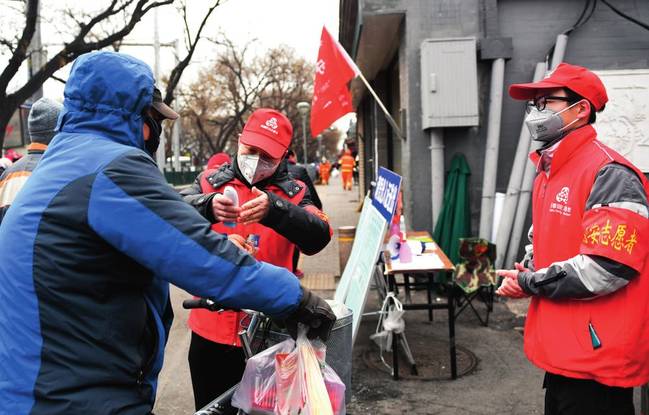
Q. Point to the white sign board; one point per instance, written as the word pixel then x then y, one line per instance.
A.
pixel 355 281
pixel 368 241
pixel 624 123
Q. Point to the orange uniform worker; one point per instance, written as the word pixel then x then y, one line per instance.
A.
pixel 347 164
pixel 325 172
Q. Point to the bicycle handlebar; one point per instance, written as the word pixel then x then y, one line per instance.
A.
pixel 203 303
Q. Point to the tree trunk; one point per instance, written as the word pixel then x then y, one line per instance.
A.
pixel 7 109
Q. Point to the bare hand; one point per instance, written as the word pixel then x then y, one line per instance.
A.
pixel 256 209
pixel 520 267
pixel 241 243
pixel 224 209
pixel 510 287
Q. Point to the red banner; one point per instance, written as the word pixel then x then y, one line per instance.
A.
pixel 331 97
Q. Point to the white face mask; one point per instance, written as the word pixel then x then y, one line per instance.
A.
pixel 255 168
pixel 547 125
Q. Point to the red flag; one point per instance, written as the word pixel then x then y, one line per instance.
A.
pixel 331 97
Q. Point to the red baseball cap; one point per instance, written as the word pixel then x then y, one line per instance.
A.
pixel 268 130
pixel 576 78
pixel 217 160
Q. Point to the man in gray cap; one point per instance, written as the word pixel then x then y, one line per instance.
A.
pixel 42 120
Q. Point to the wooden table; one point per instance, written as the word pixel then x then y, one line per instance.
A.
pixel 421 269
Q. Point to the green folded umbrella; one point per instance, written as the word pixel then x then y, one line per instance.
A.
pixel 454 220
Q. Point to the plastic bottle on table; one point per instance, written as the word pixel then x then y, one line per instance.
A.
pixel 405 254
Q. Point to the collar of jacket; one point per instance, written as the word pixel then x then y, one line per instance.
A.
pixel 281 179
pixel 569 145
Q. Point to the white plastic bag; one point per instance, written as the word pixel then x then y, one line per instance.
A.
pixel 256 392
pixel 291 378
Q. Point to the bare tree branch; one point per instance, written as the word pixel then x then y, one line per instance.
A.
pixel 177 72
pixel 216 106
pixel 70 51
pixel 61 80
pixel 20 52
pixel 9 45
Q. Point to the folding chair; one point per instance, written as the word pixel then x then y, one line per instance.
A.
pixel 475 277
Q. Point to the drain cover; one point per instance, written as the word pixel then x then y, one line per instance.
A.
pixel 432 358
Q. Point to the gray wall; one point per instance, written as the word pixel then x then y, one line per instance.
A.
pixel 424 19
pixel 607 41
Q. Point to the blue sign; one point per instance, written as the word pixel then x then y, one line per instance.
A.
pixel 386 193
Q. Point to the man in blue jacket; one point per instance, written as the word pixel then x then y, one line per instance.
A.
pixel 88 248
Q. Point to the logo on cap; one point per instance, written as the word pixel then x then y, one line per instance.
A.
pixel 270 125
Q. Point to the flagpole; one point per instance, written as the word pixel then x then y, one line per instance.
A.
pixel 391 121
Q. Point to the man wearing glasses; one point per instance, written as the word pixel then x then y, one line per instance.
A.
pixel 588 275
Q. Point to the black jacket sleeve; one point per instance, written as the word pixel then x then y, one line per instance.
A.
pixel 202 202
pixel 300 173
pixel 298 223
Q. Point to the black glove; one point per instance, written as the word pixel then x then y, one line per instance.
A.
pixel 315 313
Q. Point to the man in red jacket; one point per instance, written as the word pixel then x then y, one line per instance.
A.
pixel 589 274
pixel 274 215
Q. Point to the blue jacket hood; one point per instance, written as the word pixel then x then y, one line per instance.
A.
pixel 105 95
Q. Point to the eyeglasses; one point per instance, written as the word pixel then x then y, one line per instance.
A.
pixel 541 102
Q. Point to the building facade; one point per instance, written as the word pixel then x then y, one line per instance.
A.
pixel 385 39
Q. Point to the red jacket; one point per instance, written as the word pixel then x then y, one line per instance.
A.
pixel 557 337
pixel 273 247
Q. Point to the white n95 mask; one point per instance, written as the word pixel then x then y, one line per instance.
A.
pixel 255 168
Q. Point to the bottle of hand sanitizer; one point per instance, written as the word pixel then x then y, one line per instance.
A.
pixel 231 194
pixel 405 254
pixel 402 226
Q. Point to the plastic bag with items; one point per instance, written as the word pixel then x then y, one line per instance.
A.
pixel 291 378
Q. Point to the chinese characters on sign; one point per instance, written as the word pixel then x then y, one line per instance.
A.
pixel 386 193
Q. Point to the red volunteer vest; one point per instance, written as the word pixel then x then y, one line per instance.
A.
pixel 557 337
pixel 223 327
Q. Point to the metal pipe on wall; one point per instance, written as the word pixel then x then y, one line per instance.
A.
pixel 491 150
pixel 515 182
pixel 530 173
pixel 436 172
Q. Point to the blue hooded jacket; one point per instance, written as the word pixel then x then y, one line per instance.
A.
pixel 87 251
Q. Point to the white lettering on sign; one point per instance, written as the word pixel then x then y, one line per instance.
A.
pixel 386 194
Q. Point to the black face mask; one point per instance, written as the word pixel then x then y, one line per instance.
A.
pixel 155 128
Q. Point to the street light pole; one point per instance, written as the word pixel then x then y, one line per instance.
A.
pixel 303 108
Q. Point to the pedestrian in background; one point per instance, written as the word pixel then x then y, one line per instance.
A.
pixel 325 172
pixel 41 123
pixel 300 173
pixel 217 160
pixel 347 164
